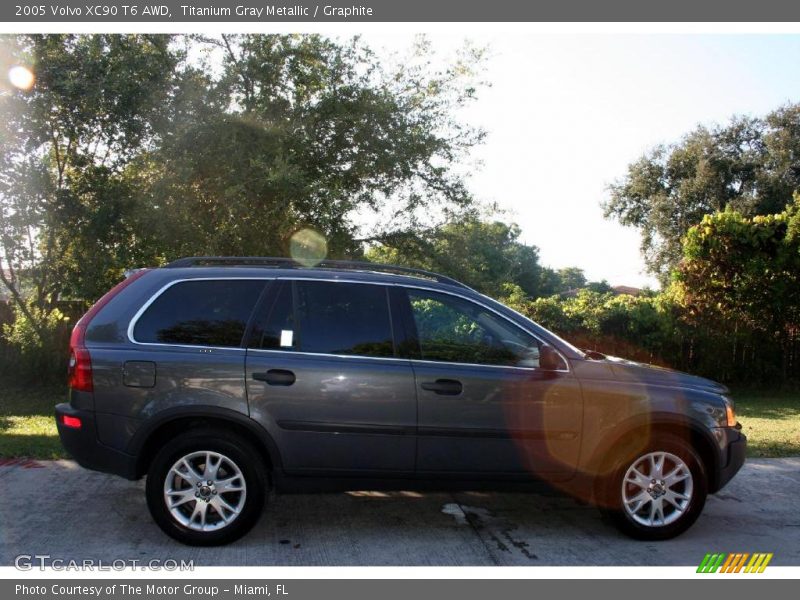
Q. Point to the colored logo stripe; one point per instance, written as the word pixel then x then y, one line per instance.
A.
pixel 758 563
pixel 704 563
pixel 728 561
pixel 734 562
pixel 711 562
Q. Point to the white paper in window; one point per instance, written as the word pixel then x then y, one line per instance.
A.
pixel 287 337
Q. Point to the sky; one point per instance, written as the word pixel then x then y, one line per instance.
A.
pixel 566 113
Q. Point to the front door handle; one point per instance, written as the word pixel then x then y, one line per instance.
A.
pixel 276 377
pixel 444 387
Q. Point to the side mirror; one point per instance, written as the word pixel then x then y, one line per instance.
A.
pixel 549 359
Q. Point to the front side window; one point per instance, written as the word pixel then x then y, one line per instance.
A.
pixel 200 313
pixel 452 329
pixel 329 318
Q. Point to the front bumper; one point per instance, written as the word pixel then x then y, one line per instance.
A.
pixel 83 446
pixel 736 447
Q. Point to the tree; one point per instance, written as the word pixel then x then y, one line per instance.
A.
pixel 127 153
pixel 744 272
pixel 570 278
pixel 486 255
pixel 302 131
pixel 65 143
pixel 750 165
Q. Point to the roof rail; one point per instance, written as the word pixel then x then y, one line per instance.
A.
pixel 290 263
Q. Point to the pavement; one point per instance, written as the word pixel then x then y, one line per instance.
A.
pixel 60 509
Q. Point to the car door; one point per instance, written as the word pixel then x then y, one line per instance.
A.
pixel 324 379
pixel 486 407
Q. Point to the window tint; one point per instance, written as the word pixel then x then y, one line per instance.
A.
pixel 451 329
pixel 330 318
pixel 200 313
pixel 277 330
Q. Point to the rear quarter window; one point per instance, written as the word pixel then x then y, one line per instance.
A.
pixel 199 313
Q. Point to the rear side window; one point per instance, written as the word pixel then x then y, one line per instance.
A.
pixel 200 313
pixel 329 318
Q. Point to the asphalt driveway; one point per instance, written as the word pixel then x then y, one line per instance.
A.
pixel 59 509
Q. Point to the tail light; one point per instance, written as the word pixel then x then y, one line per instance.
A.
pixel 80 362
pixel 80 368
pixel 73 422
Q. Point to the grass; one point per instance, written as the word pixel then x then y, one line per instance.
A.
pixel 771 421
pixel 27 422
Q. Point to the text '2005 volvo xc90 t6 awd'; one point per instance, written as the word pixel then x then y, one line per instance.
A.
pixel 220 377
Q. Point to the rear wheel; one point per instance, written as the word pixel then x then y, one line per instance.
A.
pixel 659 492
pixel 206 487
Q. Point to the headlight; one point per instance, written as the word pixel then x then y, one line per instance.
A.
pixel 730 415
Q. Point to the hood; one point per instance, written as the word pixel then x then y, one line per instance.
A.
pixel 654 375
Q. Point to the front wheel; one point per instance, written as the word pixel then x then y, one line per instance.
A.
pixel 206 487
pixel 658 493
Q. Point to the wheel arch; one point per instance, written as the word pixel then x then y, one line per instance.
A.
pixel 148 439
pixel 635 434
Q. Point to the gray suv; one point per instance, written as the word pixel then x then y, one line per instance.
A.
pixel 222 377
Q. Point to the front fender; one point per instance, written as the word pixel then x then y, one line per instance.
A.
pixel 636 434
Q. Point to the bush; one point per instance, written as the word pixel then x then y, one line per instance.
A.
pixel 36 351
pixel 657 329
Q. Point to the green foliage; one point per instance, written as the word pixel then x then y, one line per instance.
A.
pixel 745 269
pixel 301 131
pixel 486 255
pixel 636 327
pixel 570 278
pixel 732 313
pixel 64 203
pixel 709 210
pixel 126 153
pixel 38 345
pixel 743 275
pixel 749 164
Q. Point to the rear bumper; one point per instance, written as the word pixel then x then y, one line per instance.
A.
pixel 83 446
pixel 736 447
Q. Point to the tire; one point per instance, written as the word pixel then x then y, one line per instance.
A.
pixel 199 515
pixel 624 489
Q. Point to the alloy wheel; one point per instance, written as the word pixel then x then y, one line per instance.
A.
pixel 205 491
pixel 657 489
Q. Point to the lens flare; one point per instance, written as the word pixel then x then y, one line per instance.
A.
pixel 308 247
pixel 21 77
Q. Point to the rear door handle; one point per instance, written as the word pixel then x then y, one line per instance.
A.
pixel 444 387
pixel 276 377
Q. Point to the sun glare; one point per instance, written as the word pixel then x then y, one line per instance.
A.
pixel 308 247
pixel 21 77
